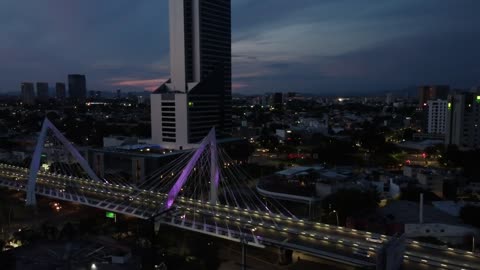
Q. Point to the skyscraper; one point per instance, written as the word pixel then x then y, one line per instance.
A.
pixel 42 91
pixel 28 93
pixel 437 116
pixel 463 121
pixel 198 95
pixel 77 87
pixel 60 91
pixel 276 100
pixel 430 92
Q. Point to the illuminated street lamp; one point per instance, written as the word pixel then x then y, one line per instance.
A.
pixel 336 215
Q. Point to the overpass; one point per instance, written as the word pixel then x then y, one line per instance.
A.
pixel 203 189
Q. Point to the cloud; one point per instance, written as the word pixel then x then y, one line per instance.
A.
pixel 447 58
pixel 304 45
pixel 145 84
pixel 238 85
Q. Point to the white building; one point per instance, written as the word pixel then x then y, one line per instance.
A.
pixel 437 116
pixel 197 96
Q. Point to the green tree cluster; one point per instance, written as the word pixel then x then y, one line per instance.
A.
pixel 350 202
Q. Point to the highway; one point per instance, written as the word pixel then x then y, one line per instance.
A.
pixel 340 244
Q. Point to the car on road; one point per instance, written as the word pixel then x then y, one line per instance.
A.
pixel 374 239
pixel 55 206
pixel 362 253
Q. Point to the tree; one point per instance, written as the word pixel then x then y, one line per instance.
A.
pixel 467 160
pixel 349 202
pixel 68 231
pixel 469 214
pixel 408 134
pixel 333 151
pixel 412 193
pixel 7 260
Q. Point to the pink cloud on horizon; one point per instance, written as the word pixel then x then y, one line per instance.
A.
pixel 152 84
pixel 236 86
pixel 147 84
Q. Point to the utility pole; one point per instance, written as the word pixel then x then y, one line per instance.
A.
pixel 244 253
pixel 473 243
pixel 244 241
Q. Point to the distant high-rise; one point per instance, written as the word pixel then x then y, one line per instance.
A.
pixel 60 91
pixel 28 93
pixel 463 121
pixel 437 116
pixel 276 100
pixel 198 95
pixel 432 92
pixel 42 91
pixel 77 87
pixel 389 99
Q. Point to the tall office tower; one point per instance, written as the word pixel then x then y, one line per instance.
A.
pixel 432 92
pixel 276 100
pixel 60 91
pixel 42 91
pixel 198 95
pixel 437 116
pixel 28 93
pixel 463 121
pixel 77 87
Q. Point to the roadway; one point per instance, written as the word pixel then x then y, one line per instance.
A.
pixel 322 240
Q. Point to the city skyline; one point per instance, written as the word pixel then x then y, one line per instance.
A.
pixel 239 134
pixel 307 46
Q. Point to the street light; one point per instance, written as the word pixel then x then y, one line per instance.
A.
pixel 243 240
pixel 336 215
pixel 244 251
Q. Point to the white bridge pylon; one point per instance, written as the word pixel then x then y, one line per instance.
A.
pixel 35 164
pixel 211 141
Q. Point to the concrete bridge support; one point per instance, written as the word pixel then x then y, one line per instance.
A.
pixel 99 164
pixel 138 170
pixel 390 256
pixel 285 256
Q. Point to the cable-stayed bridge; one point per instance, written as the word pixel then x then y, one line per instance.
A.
pixel 204 191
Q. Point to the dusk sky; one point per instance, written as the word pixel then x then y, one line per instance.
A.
pixel 327 46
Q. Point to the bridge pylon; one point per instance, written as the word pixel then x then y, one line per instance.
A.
pixel 214 169
pixel 37 155
pixel 215 175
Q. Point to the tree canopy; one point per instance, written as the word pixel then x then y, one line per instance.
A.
pixel 350 202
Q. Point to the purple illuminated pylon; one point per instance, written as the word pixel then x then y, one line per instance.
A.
pixel 173 193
